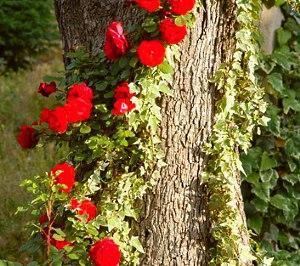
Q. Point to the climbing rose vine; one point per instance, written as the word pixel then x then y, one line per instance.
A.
pixel 108 115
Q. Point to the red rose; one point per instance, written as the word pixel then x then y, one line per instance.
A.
pixel 85 207
pixel 27 137
pixel 60 244
pixel 64 174
pixel 115 44
pixel 122 106
pixel 74 203
pixel 44 115
pixel 105 253
pixel 57 119
pixel 170 32
pixel 47 88
pixel 181 7
pixel 149 5
pixel 81 91
pixel 43 219
pixel 151 53
pixel 123 91
pixel 78 110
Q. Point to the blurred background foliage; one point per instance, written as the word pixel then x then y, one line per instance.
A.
pixel 29 50
pixel 20 105
pixel 27 28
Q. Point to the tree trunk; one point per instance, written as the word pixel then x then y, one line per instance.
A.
pixel 175 226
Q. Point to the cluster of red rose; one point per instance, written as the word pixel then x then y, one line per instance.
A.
pixel 78 108
pixel 103 252
pixel 151 53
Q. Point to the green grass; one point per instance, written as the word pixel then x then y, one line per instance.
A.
pixel 20 104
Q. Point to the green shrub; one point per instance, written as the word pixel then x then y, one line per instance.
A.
pixel 272 184
pixel 27 28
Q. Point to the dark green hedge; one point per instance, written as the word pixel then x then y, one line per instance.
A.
pixel 27 28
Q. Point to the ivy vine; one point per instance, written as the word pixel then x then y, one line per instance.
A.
pixel 272 173
pixel 239 111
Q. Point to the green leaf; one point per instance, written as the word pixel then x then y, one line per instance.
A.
pixel 290 103
pixel 73 256
pixel 262 191
pixel 274 123
pixel 164 88
pixel 283 57
pixel 270 177
pixel 166 68
pixel 85 129
pixel 267 162
pixel 275 79
pixel 252 178
pixel 109 95
pixel 101 86
pixel 292 147
pixel 292 178
pixel 255 223
pixel 180 20
pixel 260 205
pixel 113 222
pixel 281 202
pixel 283 36
pixel 252 159
pixel 135 242
pixel 123 62
pixel 149 25
pixel 102 108
pixel 133 61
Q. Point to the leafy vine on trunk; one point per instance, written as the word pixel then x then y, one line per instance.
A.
pixel 109 115
pixel 239 111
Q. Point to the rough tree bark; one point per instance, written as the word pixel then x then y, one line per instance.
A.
pixel 175 228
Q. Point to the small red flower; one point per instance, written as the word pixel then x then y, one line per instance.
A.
pixel 60 244
pixel 122 106
pixel 78 110
pixel 115 44
pixel 149 5
pixel 64 174
pixel 151 53
pixel 81 91
pixel 47 88
pixel 170 32
pixel 105 253
pixel 44 115
pixel 123 91
pixel 74 203
pixel 181 7
pixel 85 207
pixel 56 119
pixel 27 137
pixel 43 219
